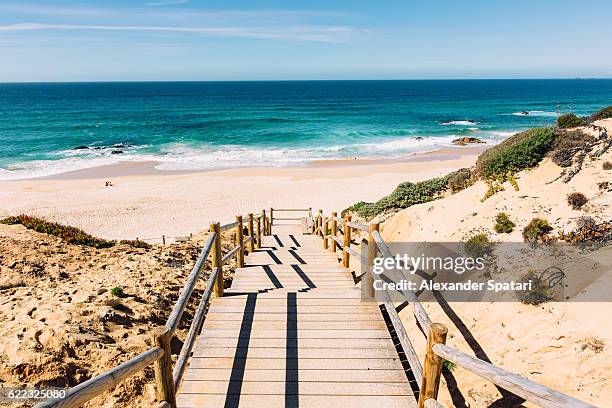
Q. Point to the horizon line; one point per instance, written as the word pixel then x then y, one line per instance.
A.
pixel 307 80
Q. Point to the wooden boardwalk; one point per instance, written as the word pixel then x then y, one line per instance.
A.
pixel 293 331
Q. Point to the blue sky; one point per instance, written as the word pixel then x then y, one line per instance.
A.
pixel 110 40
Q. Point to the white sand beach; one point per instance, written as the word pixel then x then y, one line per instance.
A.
pixel 146 203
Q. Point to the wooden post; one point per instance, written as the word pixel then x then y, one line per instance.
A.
pixel 216 258
pixel 334 231
pixel 320 222
pixel 250 228
pixel 325 243
pixel 163 369
pixel 239 239
pixel 368 279
pixel 259 232
pixel 433 364
pixel 163 239
pixel 347 242
pixel 271 219
pixel 312 218
pixel 264 222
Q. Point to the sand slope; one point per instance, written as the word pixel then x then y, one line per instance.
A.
pixel 565 346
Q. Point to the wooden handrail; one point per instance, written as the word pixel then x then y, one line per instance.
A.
pixel 521 386
pixel 358 226
pixel 292 209
pixel 198 319
pixel 181 303
pixel 339 242
pixel 80 394
pixel 230 255
pixel 229 226
pixel 167 378
pixel 428 377
pixel 417 308
pixel 432 403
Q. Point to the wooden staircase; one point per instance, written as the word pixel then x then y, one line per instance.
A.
pixel 293 331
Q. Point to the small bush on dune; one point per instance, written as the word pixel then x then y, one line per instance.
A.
pixel 605 113
pixel 537 229
pixel 569 120
pixel 478 246
pixel 503 224
pixel 117 291
pixel 566 144
pixel 136 243
pixel 518 152
pixel 576 200
pixel 69 234
pixel 607 165
pixel 460 180
pixel 540 291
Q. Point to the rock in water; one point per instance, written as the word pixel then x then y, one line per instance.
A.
pixel 462 141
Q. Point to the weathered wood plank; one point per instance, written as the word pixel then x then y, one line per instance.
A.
pixel 305 364
pixel 357 376
pixel 275 353
pixel 304 388
pixel 207 342
pixel 282 325
pixel 303 401
pixel 304 334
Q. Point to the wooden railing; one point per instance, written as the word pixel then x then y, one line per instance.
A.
pixel 336 234
pixel 168 378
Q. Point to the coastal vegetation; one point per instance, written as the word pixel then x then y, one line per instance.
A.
pixel 576 200
pixel 71 235
pixel 478 246
pixel 536 230
pixel 570 120
pixel 67 233
pixel 518 152
pixel 503 224
pixel 500 164
pixel 404 196
pixel 540 290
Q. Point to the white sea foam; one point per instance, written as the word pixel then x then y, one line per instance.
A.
pixel 182 156
pixel 459 123
pixel 536 113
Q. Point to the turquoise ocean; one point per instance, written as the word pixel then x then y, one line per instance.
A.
pixel 50 128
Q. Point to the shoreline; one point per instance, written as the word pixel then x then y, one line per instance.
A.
pixel 147 203
pixel 148 167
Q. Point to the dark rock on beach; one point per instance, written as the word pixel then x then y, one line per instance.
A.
pixel 462 141
pixel 83 147
pixel 117 152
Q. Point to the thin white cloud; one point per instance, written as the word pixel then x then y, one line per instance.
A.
pixel 162 3
pixel 296 33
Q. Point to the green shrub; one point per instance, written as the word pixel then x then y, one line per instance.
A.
pixel 117 291
pixel 460 180
pixel 566 144
pixel 478 246
pixel 518 152
pixel 136 243
pixel 405 195
pixel 576 200
pixel 540 291
pixel 69 234
pixel 569 120
pixel 537 229
pixel 607 165
pixel 503 224
pixel 604 113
